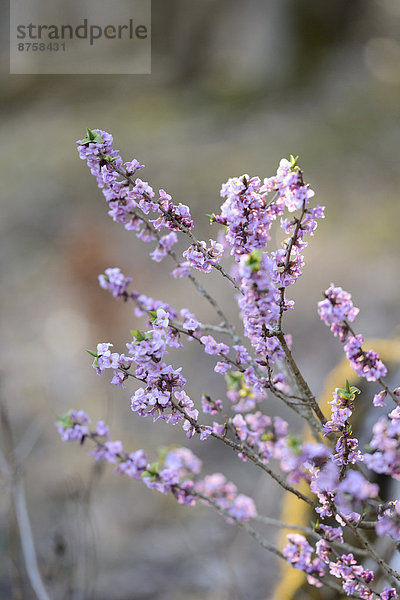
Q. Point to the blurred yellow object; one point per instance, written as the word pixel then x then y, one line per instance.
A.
pixel 291 580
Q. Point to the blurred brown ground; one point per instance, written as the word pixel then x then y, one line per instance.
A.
pixel 235 86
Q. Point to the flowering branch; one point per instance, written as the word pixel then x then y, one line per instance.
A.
pixel 338 490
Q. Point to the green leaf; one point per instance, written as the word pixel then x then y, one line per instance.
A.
pixel 295 443
pixel 92 137
pixel 138 335
pixel 162 451
pixel 65 420
pixel 348 393
pixel 233 379
pixel 254 260
pixel 153 468
pixel 153 314
pixel 315 525
pixel 96 358
pixel 110 159
pixel 152 471
pixel 211 217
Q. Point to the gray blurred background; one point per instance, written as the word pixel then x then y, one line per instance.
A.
pixel 235 86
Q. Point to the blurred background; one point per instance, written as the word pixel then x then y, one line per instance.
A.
pixel 234 87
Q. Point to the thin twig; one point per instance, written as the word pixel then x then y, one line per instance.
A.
pixel 28 441
pixel 287 261
pixel 299 377
pixel 21 512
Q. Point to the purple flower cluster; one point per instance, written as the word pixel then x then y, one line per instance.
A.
pixel 211 407
pixel 226 496
pixel 248 214
pixel 213 347
pixel 385 445
pixel 128 199
pixel 337 308
pixel 379 399
pixel 242 355
pixel 180 475
pixel 97 144
pixel 73 426
pixel 164 396
pixel 105 359
pixel 389 594
pixel 366 363
pixel 347 569
pixel 184 461
pixel 182 270
pixel 299 554
pixel 133 464
pixel 342 407
pixel 345 491
pixel 245 389
pixel 163 383
pixel 346 450
pixel 354 491
pixel 202 258
pixel 337 311
pixel 147 350
pixel 114 281
pixel 190 323
pixel 174 473
pixel 299 461
pixel 260 432
pixel 260 305
pixel 174 216
pixel 288 182
pixel 165 245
